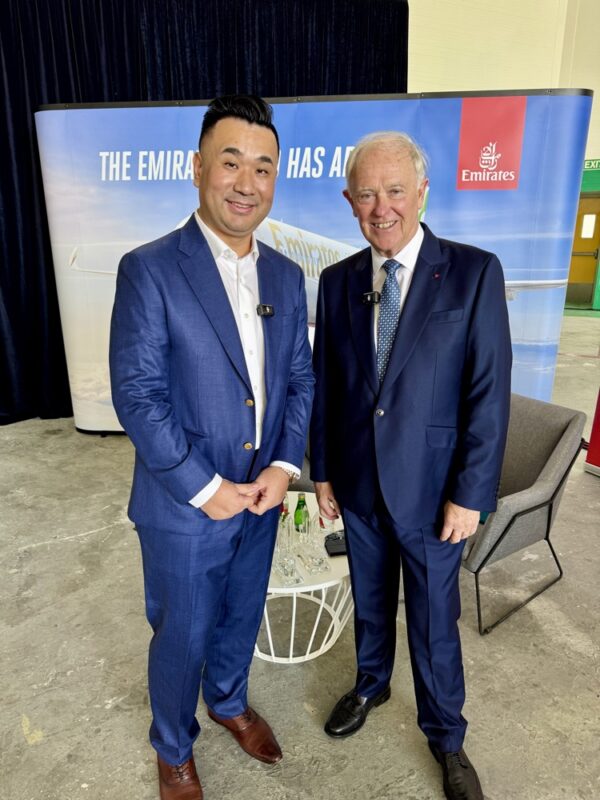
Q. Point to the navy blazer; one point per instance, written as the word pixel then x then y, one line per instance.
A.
pixel 180 385
pixel 436 427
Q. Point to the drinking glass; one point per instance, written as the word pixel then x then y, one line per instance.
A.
pixel 313 554
pixel 284 560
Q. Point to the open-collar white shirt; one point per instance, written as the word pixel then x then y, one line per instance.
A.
pixel 240 279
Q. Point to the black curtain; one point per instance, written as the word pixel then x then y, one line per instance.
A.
pixel 103 51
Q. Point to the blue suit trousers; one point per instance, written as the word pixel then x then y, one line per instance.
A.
pixel 205 596
pixel 377 549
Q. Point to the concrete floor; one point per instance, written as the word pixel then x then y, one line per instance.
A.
pixel 74 711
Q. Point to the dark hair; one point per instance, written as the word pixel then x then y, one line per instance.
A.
pixel 248 107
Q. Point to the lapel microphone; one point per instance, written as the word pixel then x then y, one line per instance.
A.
pixel 371 298
pixel 264 310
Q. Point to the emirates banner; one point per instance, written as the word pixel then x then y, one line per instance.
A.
pixel 504 170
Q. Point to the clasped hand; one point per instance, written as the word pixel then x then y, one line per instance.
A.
pixel 264 493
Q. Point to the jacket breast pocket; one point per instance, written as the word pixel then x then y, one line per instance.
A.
pixel 279 322
pixel 447 315
pixel 287 319
pixel 438 436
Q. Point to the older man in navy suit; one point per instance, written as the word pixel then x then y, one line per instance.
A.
pixel 412 359
pixel 212 380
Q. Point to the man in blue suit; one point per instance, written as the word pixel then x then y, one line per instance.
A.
pixel 212 380
pixel 412 359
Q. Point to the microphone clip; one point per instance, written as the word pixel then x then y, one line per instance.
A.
pixel 264 310
pixel 371 298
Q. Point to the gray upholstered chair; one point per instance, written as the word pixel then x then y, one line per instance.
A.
pixel 543 442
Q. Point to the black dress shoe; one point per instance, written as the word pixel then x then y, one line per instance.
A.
pixel 460 779
pixel 350 713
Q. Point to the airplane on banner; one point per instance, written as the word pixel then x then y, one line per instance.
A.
pixel 311 250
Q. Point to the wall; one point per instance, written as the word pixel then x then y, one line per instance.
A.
pixel 518 44
pixel 581 62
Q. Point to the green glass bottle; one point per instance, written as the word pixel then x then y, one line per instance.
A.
pixel 301 513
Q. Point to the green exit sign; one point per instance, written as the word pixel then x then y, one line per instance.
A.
pixel 590 181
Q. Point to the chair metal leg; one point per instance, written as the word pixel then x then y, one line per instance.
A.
pixel 483 630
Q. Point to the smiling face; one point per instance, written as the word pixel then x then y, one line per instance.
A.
pixel 235 173
pixel 386 196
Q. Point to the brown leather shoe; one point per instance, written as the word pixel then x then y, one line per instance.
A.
pixel 253 734
pixel 179 782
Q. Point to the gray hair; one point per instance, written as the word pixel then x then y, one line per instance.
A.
pixel 391 139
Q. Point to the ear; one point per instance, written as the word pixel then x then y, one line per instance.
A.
pixel 197 169
pixel 348 197
pixel 421 192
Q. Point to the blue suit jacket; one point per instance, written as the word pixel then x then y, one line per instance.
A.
pixel 179 378
pixel 436 428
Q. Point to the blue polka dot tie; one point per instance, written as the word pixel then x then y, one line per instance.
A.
pixel 389 314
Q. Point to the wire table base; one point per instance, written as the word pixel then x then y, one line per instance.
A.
pixel 306 631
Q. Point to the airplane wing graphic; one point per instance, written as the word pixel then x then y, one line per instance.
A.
pixel 311 250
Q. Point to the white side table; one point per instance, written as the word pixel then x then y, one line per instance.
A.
pixel 323 600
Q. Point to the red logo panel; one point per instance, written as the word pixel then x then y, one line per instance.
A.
pixel 491 142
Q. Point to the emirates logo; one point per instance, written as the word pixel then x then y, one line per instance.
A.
pixel 488 174
pixel 491 142
pixel 488 158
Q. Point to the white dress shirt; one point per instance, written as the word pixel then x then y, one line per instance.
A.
pixel 240 279
pixel 407 258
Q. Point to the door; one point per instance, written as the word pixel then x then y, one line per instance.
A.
pixel 584 259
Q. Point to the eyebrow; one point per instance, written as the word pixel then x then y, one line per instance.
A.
pixel 236 152
pixel 385 188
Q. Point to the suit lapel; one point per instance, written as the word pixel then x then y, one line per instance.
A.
pixel 203 276
pixel 360 280
pixel 428 279
pixel 270 290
